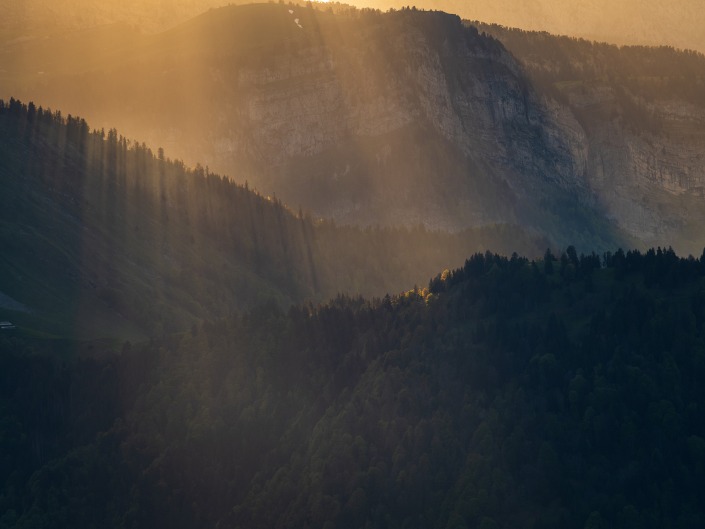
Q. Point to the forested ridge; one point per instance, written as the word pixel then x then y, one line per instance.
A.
pixel 102 237
pixel 563 392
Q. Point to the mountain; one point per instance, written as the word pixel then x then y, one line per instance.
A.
pixel 563 392
pixel 406 117
pixel 33 17
pixel 366 118
pixel 169 359
pixel 103 238
pixel 641 112
pixel 647 22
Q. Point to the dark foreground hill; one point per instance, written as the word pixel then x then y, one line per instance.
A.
pixel 549 394
pixel 100 237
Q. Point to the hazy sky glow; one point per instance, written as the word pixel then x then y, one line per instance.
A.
pixel 678 23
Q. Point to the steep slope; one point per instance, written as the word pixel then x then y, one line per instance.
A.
pixel 102 238
pixel 94 226
pixel 554 394
pixel 404 117
pixel 642 116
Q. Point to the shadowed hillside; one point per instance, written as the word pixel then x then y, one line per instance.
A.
pixel 101 237
pixel 559 393
pixel 642 111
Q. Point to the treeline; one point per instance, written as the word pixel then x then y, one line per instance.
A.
pixel 569 58
pixel 148 237
pixel 562 392
pixel 95 223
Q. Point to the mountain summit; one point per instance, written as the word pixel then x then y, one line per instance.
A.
pixel 405 117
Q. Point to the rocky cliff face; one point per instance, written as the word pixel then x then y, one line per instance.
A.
pixel 651 183
pixel 642 113
pixel 400 118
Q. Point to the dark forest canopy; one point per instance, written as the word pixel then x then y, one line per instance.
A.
pixel 103 237
pixel 564 392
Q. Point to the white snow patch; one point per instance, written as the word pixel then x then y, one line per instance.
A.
pixel 291 11
pixel 297 23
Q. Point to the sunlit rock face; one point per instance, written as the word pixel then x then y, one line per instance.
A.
pixel 399 118
pixel 436 123
pixel 407 118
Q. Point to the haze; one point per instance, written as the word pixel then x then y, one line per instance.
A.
pixel 649 22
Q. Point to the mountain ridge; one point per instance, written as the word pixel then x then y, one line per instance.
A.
pixel 102 237
pixel 632 22
pixel 338 113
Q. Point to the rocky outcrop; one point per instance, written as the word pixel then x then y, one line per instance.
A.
pixel 642 113
pixel 431 90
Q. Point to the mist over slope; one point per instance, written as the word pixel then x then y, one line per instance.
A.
pixel 103 238
pixel 678 23
pixel 559 393
pixel 33 17
pixel 404 117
